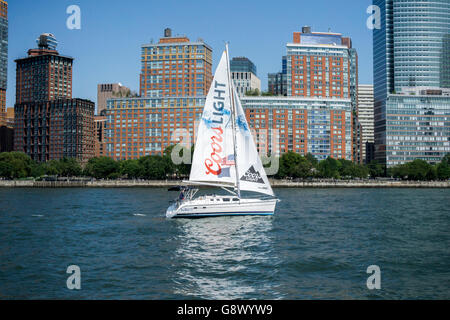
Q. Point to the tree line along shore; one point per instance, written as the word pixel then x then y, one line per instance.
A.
pixel 292 166
pixel 276 184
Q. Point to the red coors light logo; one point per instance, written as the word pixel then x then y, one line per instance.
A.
pixel 213 165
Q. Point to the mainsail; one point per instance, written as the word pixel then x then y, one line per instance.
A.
pixel 215 156
pixel 213 159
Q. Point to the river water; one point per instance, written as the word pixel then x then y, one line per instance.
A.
pixel 317 246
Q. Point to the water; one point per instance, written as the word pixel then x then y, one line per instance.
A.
pixel 318 246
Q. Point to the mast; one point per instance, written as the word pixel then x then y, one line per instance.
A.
pixel 233 121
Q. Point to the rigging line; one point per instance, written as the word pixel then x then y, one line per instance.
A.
pixel 233 120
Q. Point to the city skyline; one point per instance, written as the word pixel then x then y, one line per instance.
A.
pixel 119 44
pixel 309 142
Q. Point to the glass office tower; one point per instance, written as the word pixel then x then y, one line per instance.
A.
pixel 417 127
pixel 419 29
pixel 411 49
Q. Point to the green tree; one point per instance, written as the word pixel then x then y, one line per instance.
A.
pixel 155 167
pixel 293 165
pixel 15 165
pixel 419 170
pixel 352 170
pixel 6 169
pixel 375 169
pixel 415 170
pixel 399 171
pixel 313 160
pixel 38 170
pixel 361 171
pixel 329 168
pixel 68 167
pixel 102 167
pixel 51 168
pixel 443 168
pixel 303 169
pixel 131 168
pixel 287 163
pixel 432 173
pixel 346 168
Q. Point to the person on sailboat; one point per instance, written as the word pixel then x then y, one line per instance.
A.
pixel 181 198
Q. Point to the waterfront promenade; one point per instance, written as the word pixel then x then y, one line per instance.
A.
pixel 274 183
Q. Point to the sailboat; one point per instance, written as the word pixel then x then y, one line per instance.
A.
pixel 226 157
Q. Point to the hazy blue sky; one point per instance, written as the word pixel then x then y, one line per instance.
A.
pixel 107 48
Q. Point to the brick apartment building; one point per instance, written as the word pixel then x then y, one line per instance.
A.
pixel 55 129
pixel 3 59
pixel 175 66
pixel 49 124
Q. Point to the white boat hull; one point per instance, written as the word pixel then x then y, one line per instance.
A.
pixel 216 206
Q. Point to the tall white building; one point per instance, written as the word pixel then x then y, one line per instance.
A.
pixel 366 115
pixel 243 73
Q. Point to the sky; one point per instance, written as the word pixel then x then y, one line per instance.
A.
pixel 107 47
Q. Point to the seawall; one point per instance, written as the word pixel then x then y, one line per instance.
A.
pixel 274 183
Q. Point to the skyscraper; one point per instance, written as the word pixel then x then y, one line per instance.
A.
pixel 175 66
pixel 44 74
pixel 321 65
pixel 365 117
pixel 3 58
pixel 324 65
pixel 243 73
pixel 48 123
pixel 315 99
pixel 411 49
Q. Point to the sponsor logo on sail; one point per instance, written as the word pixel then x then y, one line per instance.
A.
pixel 214 163
pixel 251 175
